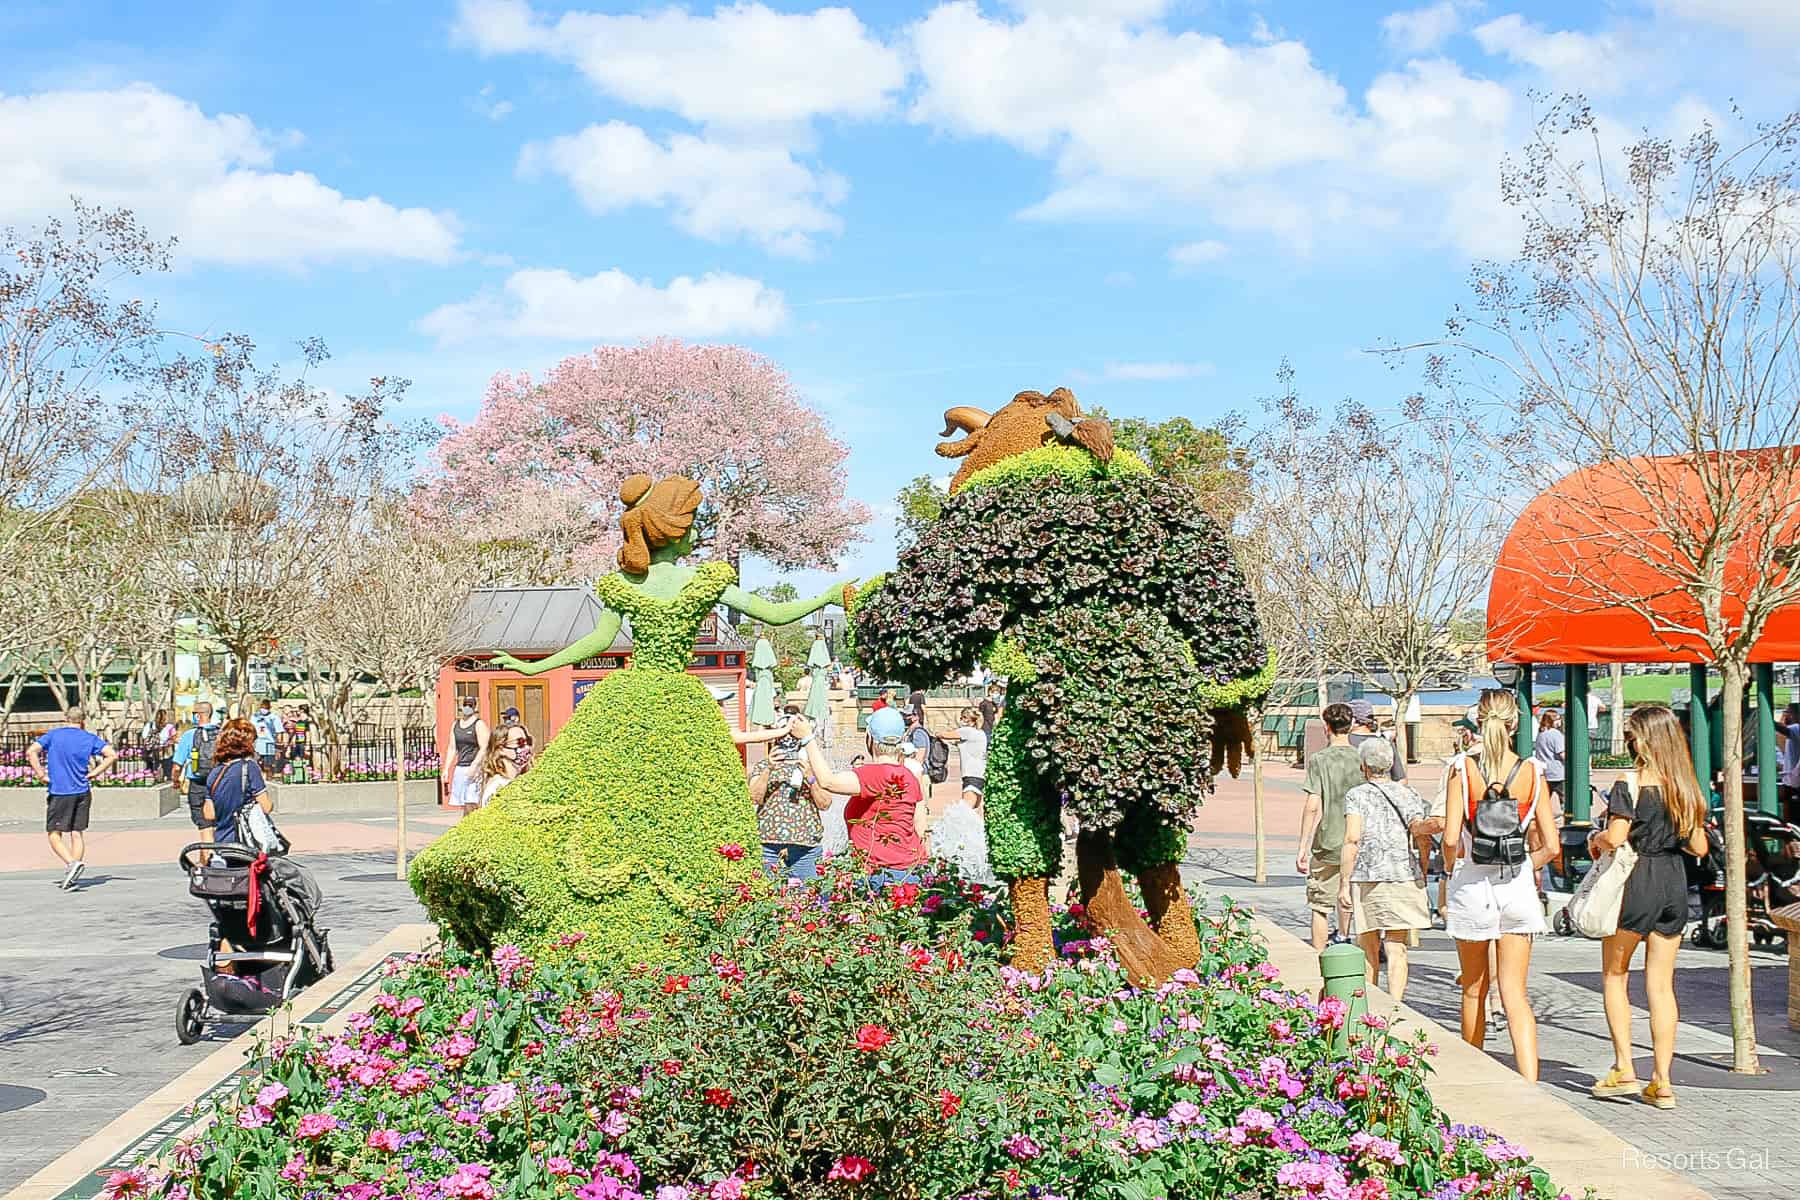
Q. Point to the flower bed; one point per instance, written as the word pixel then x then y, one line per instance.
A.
pixel 824 1044
pixel 418 766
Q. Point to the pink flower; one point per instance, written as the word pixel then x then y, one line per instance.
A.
pixel 1313 1179
pixel 729 1188
pixel 614 1124
pixel 731 852
pixel 1184 1112
pixel 499 1098
pixel 294 1170
pixel 138 1181
pixel 254 1117
pixel 384 1139
pixel 468 1182
pixel 458 1048
pixel 852 1168
pixel 410 1006
pixel 559 1166
pixel 411 1080
pixel 870 1038
pixel 315 1125
pixel 272 1095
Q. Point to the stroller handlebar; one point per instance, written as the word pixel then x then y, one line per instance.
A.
pixel 231 852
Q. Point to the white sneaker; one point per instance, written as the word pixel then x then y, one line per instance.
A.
pixel 72 874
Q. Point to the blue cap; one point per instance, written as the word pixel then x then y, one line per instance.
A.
pixel 887 726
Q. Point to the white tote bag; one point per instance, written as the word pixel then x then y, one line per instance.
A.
pixel 1594 909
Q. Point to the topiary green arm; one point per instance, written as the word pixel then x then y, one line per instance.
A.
pixel 606 632
pixel 771 613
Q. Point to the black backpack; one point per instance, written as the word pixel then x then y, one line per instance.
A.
pixel 937 760
pixel 200 758
pixel 1496 831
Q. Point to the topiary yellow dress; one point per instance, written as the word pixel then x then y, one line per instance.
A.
pixel 616 831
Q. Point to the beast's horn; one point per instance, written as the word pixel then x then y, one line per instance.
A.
pixel 965 417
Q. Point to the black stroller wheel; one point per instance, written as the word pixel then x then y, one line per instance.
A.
pixel 1716 937
pixel 188 1013
pixel 326 964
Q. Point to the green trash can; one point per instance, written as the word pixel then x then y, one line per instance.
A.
pixel 1344 968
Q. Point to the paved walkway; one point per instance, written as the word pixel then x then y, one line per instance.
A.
pixel 1732 1135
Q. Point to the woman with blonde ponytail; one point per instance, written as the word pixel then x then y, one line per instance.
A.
pixel 1660 810
pixel 1494 906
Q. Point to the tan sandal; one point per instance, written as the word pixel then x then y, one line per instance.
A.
pixel 1613 1084
pixel 1659 1094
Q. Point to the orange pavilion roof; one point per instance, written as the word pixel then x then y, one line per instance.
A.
pixel 1588 575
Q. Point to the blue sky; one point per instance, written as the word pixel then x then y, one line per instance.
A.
pixel 908 206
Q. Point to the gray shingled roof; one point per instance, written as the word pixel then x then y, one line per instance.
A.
pixel 536 620
pixel 543 620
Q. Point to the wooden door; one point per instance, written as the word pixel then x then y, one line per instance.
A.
pixel 528 698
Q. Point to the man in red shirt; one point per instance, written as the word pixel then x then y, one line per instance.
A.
pixel 886 813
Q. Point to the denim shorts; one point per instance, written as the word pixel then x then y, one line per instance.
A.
pixel 792 859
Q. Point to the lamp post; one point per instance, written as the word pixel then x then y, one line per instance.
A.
pixel 1700 728
pixel 1767 776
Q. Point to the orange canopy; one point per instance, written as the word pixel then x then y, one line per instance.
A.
pixel 1589 573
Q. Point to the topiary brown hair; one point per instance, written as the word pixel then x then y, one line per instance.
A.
pixel 656 515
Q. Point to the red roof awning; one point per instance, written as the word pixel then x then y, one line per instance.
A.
pixel 1587 576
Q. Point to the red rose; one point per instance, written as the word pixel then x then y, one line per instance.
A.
pixel 948 1103
pixel 671 1067
pixel 719 1097
pixel 905 895
pixel 870 1038
pixel 918 958
pixel 676 983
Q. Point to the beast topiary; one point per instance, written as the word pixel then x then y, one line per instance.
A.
pixel 621 831
pixel 1111 601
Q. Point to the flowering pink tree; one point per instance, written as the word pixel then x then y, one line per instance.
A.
pixel 771 473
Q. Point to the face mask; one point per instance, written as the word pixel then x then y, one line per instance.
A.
pixel 467 711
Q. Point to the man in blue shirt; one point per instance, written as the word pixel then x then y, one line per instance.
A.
pixel 269 734
pixel 193 762
pixel 64 759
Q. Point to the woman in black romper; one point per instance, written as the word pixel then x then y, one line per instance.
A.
pixel 1663 817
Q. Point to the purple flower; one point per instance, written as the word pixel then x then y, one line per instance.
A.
pixel 1021 1147
pixel 499 1098
pixel 615 1124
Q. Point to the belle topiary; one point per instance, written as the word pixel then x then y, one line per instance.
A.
pixel 624 828
pixel 1111 601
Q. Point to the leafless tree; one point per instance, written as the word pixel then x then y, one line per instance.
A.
pixel 1649 327
pixel 70 355
pixel 390 608
pixel 1370 538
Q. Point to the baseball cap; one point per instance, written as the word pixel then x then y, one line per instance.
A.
pixel 887 726
pixel 510 712
pixel 1361 711
pixel 1465 723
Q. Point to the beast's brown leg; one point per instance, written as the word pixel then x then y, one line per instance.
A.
pixel 1033 946
pixel 1171 915
pixel 1147 960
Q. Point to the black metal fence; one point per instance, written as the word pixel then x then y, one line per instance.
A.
pixel 367 754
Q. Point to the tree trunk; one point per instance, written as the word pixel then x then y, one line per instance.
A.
pixel 1402 737
pixel 399 725
pixel 1171 915
pixel 1743 1015
pixel 1147 959
pixel 1617 700
pixel 1260 834
pixel 1033 944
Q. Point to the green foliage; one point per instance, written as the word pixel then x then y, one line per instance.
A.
pixel 1070 463
pixel 615 831
pixel 920 502
pixel 1204 458
pixel 870 587
pixel 1000 556
pixel 1006 657
pixel 1024 824
pixel 1112 721
pixel 1250 690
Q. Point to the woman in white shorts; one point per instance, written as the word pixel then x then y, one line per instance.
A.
pixel 1491 903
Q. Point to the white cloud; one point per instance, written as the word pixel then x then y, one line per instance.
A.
pixel 1593 63
pixel 1195 254
pixel 1157 372
pixel 488 106
pixel 1765 21
pixel 1125 12
pixel 208 180
pixel 1256 138
pixel 609 306
pixel 1423 30
pixel 717 190
pixel 745 65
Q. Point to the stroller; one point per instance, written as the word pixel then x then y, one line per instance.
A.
pixel 1764 838
pixel 266 909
